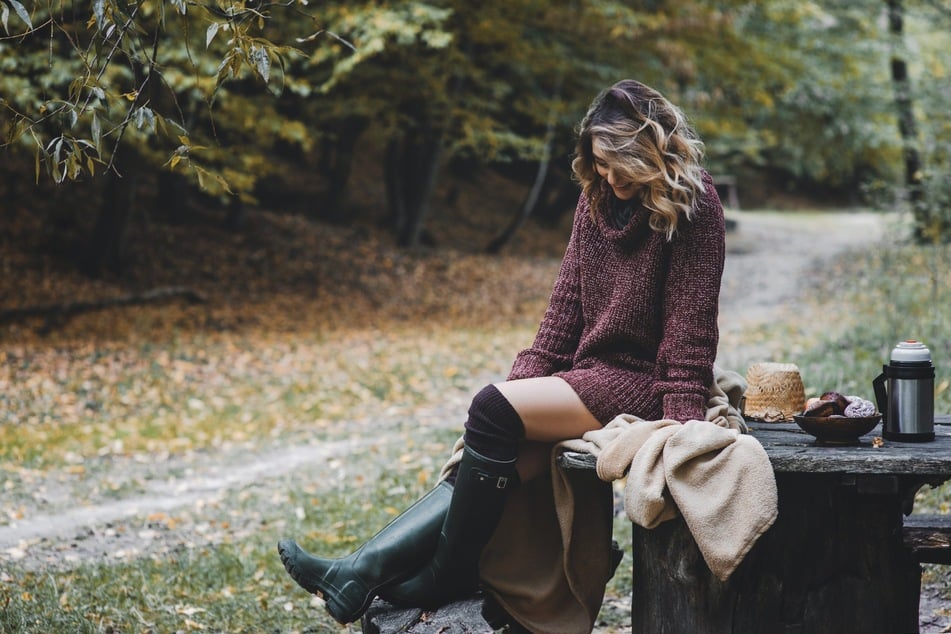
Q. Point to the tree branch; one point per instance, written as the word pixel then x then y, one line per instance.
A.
pixel 62 312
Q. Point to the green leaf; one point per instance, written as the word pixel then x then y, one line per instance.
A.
pixel 57 159
pixel 99 11
pixel 21 11
pixel 75 88
pixel 5 17
pixel 211 32
pixel 262 62
pixel 144 118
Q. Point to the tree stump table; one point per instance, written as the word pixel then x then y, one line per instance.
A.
pixel 835 560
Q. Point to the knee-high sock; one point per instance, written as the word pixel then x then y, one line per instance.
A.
pixel 494 427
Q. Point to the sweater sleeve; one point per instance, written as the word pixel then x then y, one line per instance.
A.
pixel 560 331
pixel 688 348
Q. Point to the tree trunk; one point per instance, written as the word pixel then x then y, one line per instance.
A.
pixel 430 157
pixel 106 250
pixel 833 562
pixel 393 180
pixel 237 215
pixel 411 167
pixel 906 119
pixel 528 206
pixel 57 314
pixel 562 197
pixel 171 197
pixel 337 164
pixel 531 200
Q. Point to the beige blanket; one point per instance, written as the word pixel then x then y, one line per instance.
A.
pixel 549 560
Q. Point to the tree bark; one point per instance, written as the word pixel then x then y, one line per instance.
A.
pixel 833 562
pixel 562 197
pixel 430 158
pixel 106 250
pixel 412 166
pixel 171 197
pixel 528 206
pixel 337 164
pixel 907 127
pixel 57 314
pixel 393 179
pixel 928 538
pixel 531 200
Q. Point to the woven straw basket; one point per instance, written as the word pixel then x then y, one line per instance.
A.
pixel 774 392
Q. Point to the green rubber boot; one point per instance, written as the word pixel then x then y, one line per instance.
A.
pixel 482 487
pixel 350 583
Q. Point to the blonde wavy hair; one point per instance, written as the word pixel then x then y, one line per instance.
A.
pixel 650 141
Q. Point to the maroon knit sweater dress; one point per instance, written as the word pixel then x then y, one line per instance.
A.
pixel 632 320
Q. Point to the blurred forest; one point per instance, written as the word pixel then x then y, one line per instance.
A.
pixel 115 114
pixel 254 255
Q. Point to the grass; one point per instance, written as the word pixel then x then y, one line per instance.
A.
pixel 866 302
pixel 223 588
pixel 207 391
pixel 83 414
pixel 882 297
pixel 215 578
pixel 238 584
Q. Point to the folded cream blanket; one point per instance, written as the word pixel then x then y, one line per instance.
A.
pixel 719 480
pixel 549 560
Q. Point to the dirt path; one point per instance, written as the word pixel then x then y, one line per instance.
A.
pixel 770 257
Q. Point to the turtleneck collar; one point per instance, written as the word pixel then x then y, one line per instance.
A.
pixel 636 227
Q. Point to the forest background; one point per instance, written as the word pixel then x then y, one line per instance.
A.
pixel 285 106
pixel 289 236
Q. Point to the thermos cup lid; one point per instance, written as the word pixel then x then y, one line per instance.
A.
pixel 911 351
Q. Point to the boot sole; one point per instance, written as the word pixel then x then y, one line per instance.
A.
pixel 341 613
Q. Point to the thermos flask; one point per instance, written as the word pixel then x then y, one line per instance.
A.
pixel 905 393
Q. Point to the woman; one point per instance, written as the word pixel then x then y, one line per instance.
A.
pixel 631 327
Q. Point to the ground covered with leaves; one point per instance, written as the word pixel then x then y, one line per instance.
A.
pixel 152 455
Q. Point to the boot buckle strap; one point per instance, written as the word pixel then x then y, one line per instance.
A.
pixel 499 482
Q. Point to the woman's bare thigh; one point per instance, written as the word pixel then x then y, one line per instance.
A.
pixel 550 409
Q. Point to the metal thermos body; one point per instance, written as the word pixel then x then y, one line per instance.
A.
pixel 905 393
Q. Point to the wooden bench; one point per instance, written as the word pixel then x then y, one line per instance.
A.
pixel 461 617
pixel 928 538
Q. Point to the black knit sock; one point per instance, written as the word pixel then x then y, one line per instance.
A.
pixel 494 427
